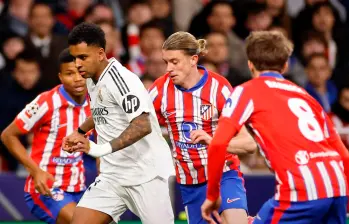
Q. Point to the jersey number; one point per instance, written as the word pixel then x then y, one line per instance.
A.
pixel 307 123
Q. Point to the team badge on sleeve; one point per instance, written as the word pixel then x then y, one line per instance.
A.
pixel 31 109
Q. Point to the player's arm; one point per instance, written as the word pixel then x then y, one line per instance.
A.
pixel 133 98
pixel 87 126
pixel 336 143
pixel 155 93
pixel 237 110
pixel 11 139
pixel 242 143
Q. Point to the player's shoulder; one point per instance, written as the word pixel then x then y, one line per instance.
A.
pixel 47 96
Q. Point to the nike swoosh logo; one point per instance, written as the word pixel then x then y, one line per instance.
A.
pixel 232 200
pixel 168 114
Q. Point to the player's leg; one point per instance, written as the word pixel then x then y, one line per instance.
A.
pixel 100 204
pixel 234 201
pixel 151 202
pixel 193 196
pixel 337 212
pixel 58 209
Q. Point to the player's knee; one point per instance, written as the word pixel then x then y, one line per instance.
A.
pixel 235 216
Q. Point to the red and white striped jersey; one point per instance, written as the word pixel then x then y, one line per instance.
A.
pixel 51 116
pixel 183 111
pixel 295 135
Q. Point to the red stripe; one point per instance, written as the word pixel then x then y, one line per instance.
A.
pixel 205 99
pixel 299 184
pixel 40 203
pixel 279 211
pixel 319 181
pixel 333 178
pixel 171 107
pixel 76 113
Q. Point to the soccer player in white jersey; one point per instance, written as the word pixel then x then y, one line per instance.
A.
pixel 135 160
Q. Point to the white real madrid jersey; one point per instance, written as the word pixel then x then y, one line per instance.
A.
pixel 116 99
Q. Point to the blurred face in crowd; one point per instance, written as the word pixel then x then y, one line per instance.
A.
pixel 27 73
pixel 151 39
pixel 217 46
pixel 344 98
pixel 222 18
pixel 280 29
pixel 79 6
pixel 112 37
pixel 318 71
pixel 323 20
pixel 275 7
pixel 312 2
pixel 88 59
pixel 72 81
pixel 160 8
pixel 100 12
pixel 259 21
pixel 155 65
pixel 12 47
pixel 312 46
pixel 179 65
pixel 41 20
pixel 139 14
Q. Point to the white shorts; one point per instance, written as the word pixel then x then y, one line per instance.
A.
pixel 150 201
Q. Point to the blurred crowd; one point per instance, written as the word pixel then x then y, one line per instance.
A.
pixel 33 33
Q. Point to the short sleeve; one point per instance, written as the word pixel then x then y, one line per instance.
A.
pixel 128 92
pixel 33 114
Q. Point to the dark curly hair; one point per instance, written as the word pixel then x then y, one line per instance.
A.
pixel 89 33
pixel 65 57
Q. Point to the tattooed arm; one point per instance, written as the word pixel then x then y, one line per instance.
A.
pixel 138 128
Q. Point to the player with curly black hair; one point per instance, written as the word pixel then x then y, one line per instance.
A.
pixel 135 160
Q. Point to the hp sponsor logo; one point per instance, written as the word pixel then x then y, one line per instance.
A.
pixel 130 104
pixel 187 127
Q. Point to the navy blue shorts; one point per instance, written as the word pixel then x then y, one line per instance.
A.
pixel 46 208
pixel 322 211
pixel 233 195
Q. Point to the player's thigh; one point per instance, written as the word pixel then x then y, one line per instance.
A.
pixel 100 202
pixel 234 200
pixel 337 212
pixel 151 202
pixel 234 216
pixel 193 196
pixel 65 215
pixel 47 209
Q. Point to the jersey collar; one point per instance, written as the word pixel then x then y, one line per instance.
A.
pixel 272 74
pixel 199 84
pixel 68 98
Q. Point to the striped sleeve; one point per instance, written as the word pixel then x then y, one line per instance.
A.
pixel 128 91
pixel 156 96
pixel 33 114
pixel 224 92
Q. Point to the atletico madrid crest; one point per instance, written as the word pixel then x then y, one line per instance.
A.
pixel 206 111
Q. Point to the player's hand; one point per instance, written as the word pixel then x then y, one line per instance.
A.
pixel 69 141
pixel 210 208
pixel 81 144
pixel 200 136
pixel 41 181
